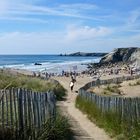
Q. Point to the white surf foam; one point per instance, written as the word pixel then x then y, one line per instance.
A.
pixel 54 66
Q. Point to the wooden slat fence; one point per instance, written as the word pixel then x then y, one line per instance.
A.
pixel 21 109
pixel 127 108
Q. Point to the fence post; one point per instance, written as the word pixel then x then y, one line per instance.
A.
pixel 20 112
pixel 11 106
pixel 3 110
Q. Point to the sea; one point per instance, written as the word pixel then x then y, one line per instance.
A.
pixel 48 63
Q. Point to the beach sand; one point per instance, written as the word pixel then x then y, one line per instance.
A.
pixel 130 91
pixel 127 89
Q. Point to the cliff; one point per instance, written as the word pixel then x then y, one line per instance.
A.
pixel 126 55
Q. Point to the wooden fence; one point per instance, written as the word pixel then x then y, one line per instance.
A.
pixel 21 109
pixel 127 108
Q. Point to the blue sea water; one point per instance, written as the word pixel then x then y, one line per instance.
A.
pixel 50 63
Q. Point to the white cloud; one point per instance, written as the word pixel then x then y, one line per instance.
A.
pixel 134 16
pixel 55 11
pixel 86 33
pixel 29 20
pixel 129 24
pixel 19 9
pixel 132 22
pixel 77 38
pixel 56 42
pixel 30 42
pixel 78 6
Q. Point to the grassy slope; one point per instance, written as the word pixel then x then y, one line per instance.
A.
pixel 59 129
pixel 8 80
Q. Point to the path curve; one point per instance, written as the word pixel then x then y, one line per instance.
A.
pixel 83 128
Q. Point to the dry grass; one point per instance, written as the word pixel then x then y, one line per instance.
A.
pixel 126 89
pixel 111 89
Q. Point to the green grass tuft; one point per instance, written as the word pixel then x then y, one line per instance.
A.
pixel 135 84
pixel 112 89
pixel 58 129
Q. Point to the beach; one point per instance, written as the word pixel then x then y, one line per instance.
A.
pixel 79 121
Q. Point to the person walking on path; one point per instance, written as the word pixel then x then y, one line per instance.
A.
pixel 71 85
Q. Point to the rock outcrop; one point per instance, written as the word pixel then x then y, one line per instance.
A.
pixel 87 54
pixel 126 55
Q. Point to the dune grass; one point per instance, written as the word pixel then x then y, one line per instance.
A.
pixel 112 89
pixel 22 81
pixel 110 121
pixel 8 80
pixel 136 83
pixel 56 130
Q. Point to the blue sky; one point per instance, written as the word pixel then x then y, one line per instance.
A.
pixel 65 26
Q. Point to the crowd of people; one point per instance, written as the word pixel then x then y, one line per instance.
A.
pixel 95 73
pixel 47 75
pixel 114 69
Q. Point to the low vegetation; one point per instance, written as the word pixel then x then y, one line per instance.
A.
pixel 112 89
pixel 110 121
pixel 54 129
pixel 136 83
pixel 58 129
pixel 8 80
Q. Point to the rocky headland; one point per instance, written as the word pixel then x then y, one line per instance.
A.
pixel 119 56
pixel 85 54
pixel 125 55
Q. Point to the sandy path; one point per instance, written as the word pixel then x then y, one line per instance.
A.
pixel 83 128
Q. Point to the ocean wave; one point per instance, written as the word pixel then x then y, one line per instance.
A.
pixel 54 65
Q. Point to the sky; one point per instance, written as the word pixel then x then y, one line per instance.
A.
pixel 67 26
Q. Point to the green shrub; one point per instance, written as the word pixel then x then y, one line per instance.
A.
pixel 60 92
pixel 138 82
pixel 130 84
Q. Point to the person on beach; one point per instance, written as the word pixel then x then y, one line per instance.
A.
pixel 71 85
pixel 73 77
